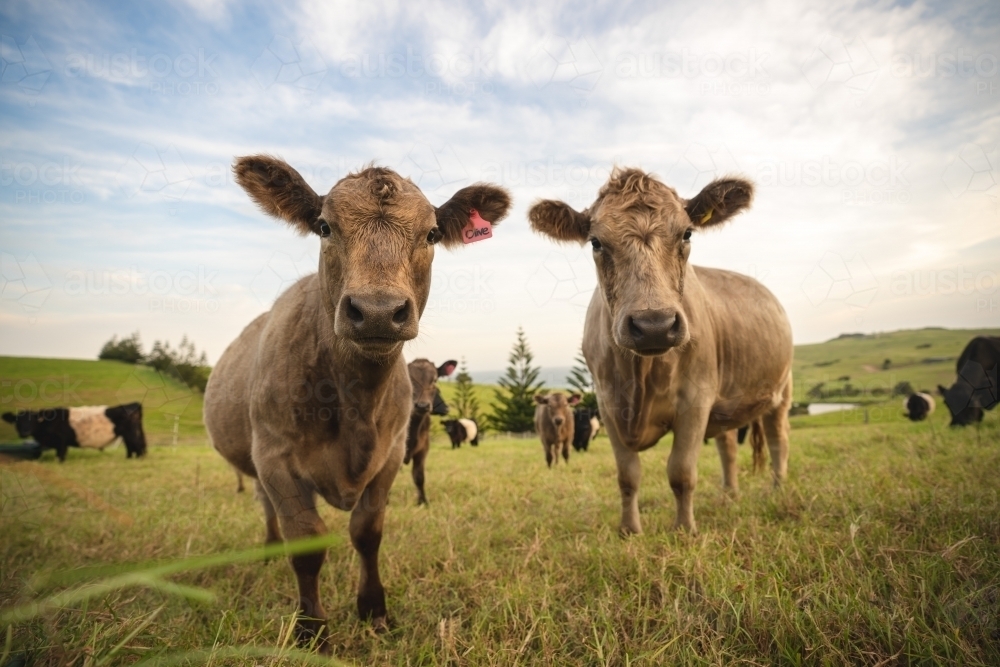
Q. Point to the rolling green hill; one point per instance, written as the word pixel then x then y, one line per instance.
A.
pixel 922 357
pixel 28 383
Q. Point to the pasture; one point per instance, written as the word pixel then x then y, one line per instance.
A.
pixel 883 548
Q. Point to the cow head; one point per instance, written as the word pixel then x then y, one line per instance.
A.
pixel 423 377
pixel 378 233
pixel 960 401
pixel 640 231
pixel 24 421
pixel 558 407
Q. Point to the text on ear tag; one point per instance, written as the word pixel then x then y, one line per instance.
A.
pixel 477 229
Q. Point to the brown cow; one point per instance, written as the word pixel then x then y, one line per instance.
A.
pixel 554 424
pixel 674 347
pixel 423 377
pixel 314 397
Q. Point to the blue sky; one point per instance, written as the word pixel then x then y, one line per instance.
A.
pixel 871 130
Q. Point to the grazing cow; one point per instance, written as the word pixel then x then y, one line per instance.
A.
pixel 674 347
pixel 975 388
pixel 918 406
pixel 462 430
pixel 554 423
pixel 585 428
pixel 313 398
pixel 92 427
pixel 426 401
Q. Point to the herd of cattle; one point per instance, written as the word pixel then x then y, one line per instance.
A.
pixel 672 347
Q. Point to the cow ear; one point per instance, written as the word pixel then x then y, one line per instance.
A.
pixel 10 417
pixel 559 221
pixel 490 201
pixel 574 399
pixel 541 399
pixel 447 368
pixel 280 191
pixel 942 390
pixel 719 201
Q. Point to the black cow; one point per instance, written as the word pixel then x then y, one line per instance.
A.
pixel 975 389
pixel 462 430
pixel 585 428
pixel 918 406
pixel 93 427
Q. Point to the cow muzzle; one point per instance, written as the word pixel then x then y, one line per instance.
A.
pixel 377 322
pixel 652 331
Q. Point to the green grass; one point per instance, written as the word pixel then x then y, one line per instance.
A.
pixel 884 544
pixel 861 360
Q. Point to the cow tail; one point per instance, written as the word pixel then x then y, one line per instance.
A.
pixel 757 443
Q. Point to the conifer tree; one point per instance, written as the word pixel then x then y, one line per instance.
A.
pixel 514 407
pixel 582 381
pixel 466 401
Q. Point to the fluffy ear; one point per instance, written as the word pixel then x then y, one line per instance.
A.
pixel 574 399
pixel 719 201
pixel 559 221
pixel 280 191
pixel 10 417
pixel 492 203
pixel 541 399
pixel 447 368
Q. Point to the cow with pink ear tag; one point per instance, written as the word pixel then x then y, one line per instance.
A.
pixel 313 399
pixel 672 346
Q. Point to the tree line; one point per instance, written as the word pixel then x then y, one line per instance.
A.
pixel 183 363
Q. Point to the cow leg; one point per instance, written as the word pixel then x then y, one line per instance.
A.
pixel 418 476
pixel 366 536
pixel 548 454
pixel 776 429
pixel 629 475
pixel 682 464
pixel 239 482
pixel 270 516
pixel 295 505
pixel 726 444
pixel 61 452
pixel 565 451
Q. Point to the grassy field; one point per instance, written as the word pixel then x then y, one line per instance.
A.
pixel 882 548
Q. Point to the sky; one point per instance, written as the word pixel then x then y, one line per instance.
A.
pixel 870 129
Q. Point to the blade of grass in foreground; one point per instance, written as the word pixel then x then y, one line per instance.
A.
pixel 152 576
pixel 202 656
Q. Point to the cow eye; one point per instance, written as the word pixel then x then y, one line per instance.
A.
pixel 595 244
pixel 324 229
pixel 434 236
pixel 687 235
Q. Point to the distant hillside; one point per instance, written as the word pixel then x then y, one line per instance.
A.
pixel 31 384
pixel 857 363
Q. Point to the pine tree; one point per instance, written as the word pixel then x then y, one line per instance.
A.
pixel 466 402
pixel 582 381
pixel 514 409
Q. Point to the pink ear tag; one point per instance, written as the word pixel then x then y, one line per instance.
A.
pixel 477 229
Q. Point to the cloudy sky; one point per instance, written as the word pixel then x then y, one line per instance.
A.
pixel 871 131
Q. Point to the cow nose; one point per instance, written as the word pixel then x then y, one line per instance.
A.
pixel 654 329
pixel 377 316
pixel 558 421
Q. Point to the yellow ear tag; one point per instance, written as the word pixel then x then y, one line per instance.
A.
pixel 705 218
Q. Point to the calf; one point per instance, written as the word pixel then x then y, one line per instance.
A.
pixel 554 423
pixel 426 401
pixel 461 430
pixel 92 427
pixel 918 406
pixel 975 389
pixel 585 428
pixel 313 397
pixel 674 347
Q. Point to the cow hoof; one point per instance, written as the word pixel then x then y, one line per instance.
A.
pixel 311 633
pixel 380 625
pixel 626 532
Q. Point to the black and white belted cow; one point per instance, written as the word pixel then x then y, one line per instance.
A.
pixel 93 427
pixel 918 406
